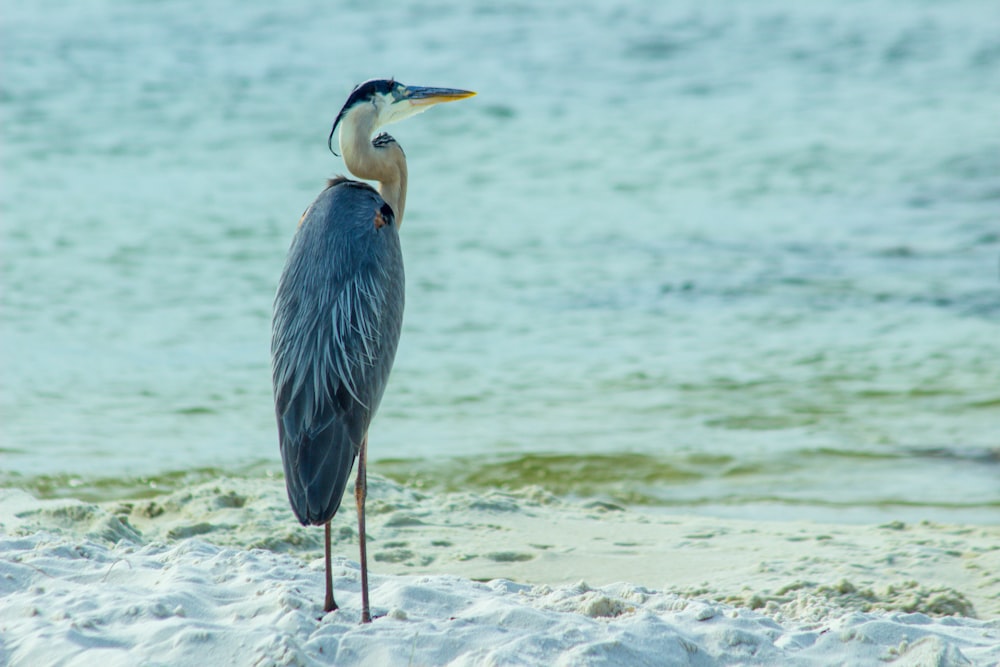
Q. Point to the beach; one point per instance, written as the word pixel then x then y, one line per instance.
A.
pixel 221 572
pixel 698 363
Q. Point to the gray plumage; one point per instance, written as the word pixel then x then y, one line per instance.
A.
pixel 337 318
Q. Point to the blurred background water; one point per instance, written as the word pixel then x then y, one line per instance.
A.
pixel 731 258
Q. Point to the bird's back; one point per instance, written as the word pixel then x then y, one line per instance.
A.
pixel 337 317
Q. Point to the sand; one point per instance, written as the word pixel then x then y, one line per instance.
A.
pixel 222 574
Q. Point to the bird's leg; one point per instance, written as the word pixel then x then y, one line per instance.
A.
pixel 328 604
pixel 360 491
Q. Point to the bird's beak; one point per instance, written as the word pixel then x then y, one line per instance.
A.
pixel 421 96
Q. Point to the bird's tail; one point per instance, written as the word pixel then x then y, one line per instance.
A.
pixel 317 469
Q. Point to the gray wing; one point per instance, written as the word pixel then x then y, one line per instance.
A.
pixel 337 318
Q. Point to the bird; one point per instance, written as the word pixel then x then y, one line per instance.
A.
pixel 338 312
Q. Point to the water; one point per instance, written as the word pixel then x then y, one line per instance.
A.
pixel 734 259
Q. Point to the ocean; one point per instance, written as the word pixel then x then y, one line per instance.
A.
pixel 732 259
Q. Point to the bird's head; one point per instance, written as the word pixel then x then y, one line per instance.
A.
pixel 384 101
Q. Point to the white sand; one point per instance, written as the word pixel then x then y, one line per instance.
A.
pixel 222 574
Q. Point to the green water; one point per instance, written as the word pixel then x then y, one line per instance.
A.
pixel 729 259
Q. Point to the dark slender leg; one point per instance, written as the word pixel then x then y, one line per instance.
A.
pixel 360 491
pixel 328 604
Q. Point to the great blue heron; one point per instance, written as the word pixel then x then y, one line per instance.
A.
pixel 339 309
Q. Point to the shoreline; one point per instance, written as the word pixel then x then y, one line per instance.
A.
pixel 433 557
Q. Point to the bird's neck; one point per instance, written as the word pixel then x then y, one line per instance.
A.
pixel 393 191
pixel 385 164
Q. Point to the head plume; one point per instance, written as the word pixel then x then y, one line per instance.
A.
pixel 361 94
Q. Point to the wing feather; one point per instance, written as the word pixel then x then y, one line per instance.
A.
pixel 337 317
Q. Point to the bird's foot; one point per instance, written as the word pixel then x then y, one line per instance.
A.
pixel 327 608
